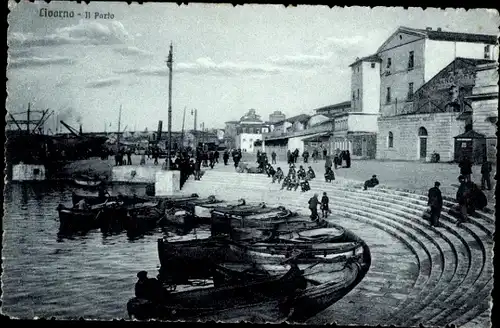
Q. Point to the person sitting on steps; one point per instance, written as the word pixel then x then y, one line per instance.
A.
pixel 329 175
pixel 304 185
pixel 286 182
pixel 310 173
pixel 278 175
pixel 371 183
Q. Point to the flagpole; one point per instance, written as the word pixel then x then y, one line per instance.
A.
pixel 169 64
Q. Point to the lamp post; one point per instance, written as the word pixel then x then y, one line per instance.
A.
pixel 169 64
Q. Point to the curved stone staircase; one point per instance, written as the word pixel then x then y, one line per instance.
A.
pixel 420 274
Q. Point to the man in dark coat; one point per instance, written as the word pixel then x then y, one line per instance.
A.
pixel 313 206
pixel 148 288
pixel 225 157
pixel 347 158
pixel 435 202
pixel 273 157
pixel 485 174
pixel 371 183
pixel 466 168
pixel 329 175
pixel 324 205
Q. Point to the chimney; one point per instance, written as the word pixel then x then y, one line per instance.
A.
pixel 439 29
pixel 428 28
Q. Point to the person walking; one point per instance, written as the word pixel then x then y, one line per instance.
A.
pixel 324 205
pixel 485 174
pixel 435 201
pixel 313 206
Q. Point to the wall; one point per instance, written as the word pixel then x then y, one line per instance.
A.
pixel 441 128
pixel 28 172
pixel 357 85
pixel 296 143
pixel 246 141
pixel 364 123
pixel 400 76
pixel 143 174
pixel 370 97
pixel 438 54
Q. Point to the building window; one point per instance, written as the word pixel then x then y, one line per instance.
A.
pixel 389 63
pixel 411 60
pixel 358 94
pixel 358 69
pixel 487 54
pixel 372 65
pixel 410 91
pixel 390 140
pixel 244 140
pixel 388 95
pixel 353 96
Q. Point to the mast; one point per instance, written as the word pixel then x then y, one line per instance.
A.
pixel 118 135
pixel 182 133
pixel 28 119
pixel 169 64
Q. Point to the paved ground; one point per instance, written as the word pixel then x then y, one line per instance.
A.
pixel 415 176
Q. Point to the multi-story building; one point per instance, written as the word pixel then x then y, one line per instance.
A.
pixel 440 111
pixel 484 107
pixel 249 129
pixel 356 127
pixel 421 81
pixel 276 116
pixel 411 57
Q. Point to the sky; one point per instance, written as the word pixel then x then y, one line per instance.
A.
pixel 226 59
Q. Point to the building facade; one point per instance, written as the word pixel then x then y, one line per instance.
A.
pixel 276 116
pixel 246 131
pixel 440 110
pixel 411 57
pixel 425 79
pixel 484 103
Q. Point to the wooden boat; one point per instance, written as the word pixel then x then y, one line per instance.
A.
pixel 129 199
pixel 87 181
pixel 143 217
pixel 275 294
pixel 189 204
pixel 99 216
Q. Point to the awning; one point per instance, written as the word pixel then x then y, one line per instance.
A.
pixel 316 137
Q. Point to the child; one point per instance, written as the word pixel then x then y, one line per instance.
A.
pixel 324 205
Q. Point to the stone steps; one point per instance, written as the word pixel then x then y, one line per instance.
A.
pixel 454 278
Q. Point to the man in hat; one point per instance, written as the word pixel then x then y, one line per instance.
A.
pixel 371 183
pixel 435 202
pixel 313 206
pixel 148 288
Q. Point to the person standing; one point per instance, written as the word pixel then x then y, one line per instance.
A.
pixel 129 156
pixel 435 201
pixel 485 174
pixel 313 206
pixel 324 205
pixel 347 159
pixel 216 156
pixel 225 157
pixel 325 152
pixel 466 168
pixel 328 163
pixel 273 157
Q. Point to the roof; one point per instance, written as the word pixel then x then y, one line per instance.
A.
pixel 444 36
pixel 300 118
pixel 335 106
pixel 372 58
pixel 232 122
pixel 471 134
pixel 470 61
pixel 316 137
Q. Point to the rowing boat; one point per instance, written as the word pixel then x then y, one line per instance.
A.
pixel 273 296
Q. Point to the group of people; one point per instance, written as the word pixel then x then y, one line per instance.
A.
pixel 120 154
pixel 324 206
pixel 469 198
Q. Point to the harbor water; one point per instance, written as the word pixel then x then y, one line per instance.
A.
pixel 47 275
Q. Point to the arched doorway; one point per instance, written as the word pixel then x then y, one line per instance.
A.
pixel 422 143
